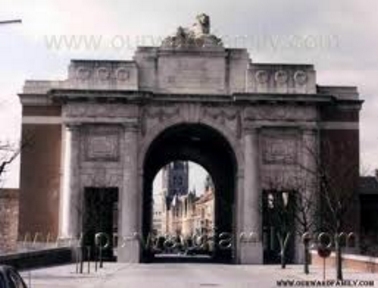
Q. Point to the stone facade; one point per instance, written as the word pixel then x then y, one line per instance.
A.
pixel 8 220
pixel 249 124
pixel 190 215
pixel 187 214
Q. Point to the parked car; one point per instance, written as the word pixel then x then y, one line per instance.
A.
pixel 10 278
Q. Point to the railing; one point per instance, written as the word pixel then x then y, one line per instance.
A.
pixel 38 250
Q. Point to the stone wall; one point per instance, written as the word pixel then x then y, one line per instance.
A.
pixel 350 261
pixel 8 219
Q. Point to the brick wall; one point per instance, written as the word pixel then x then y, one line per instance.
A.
pixel 40 171
pixel 8 219
pixel 339 148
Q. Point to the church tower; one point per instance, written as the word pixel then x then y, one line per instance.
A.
pixel 175 180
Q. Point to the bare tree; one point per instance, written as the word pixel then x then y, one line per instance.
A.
pixel 8 153
pixel 336 172
pixel 292 204
pixel 322 188
pixel 305 200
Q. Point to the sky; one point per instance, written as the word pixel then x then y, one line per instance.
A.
pixel 340 37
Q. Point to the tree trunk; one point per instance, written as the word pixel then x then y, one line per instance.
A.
pixel 81 260
pixel 306 257
pixel 339 267
pixel 283 243
pixel 283 259
pixel 283 254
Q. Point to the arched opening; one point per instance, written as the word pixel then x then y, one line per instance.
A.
pixel 183 213
pixel 207 147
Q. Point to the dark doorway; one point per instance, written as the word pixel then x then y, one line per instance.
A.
pixel 278 225
pixel 369 224
pixel 100 216
pixel 208 148
pixel 369 214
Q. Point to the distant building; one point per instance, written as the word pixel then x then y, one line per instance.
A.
pixel 204 213
pixel 190 214
pixel 158 210
pixel 180 215
pixel 175 183
pixel 175 179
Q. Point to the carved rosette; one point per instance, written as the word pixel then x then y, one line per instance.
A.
pixel 122 74
pixel 83 73
pixel 281 77
pixel 262 76
pixel 103 73
pixel 300 77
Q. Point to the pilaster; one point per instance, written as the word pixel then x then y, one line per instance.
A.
pixel 250 239
pixel 129 246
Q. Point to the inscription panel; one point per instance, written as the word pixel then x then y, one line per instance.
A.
pixel 280 148
pixel 102 145
pixel 192 74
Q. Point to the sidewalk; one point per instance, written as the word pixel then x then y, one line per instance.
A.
pixel 182 275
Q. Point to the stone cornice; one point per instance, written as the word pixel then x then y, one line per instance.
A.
pixel 132 126
pixel 99 120
pixel 61 96
pixel 65 95
pixel 28 99
pixel 277 98
pixel 195 52
pixel 107 96
pixel 301 125
pixel 350 104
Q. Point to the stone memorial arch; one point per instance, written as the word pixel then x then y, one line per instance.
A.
pixel 113 124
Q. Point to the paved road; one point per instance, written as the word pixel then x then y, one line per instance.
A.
pixel 178 276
